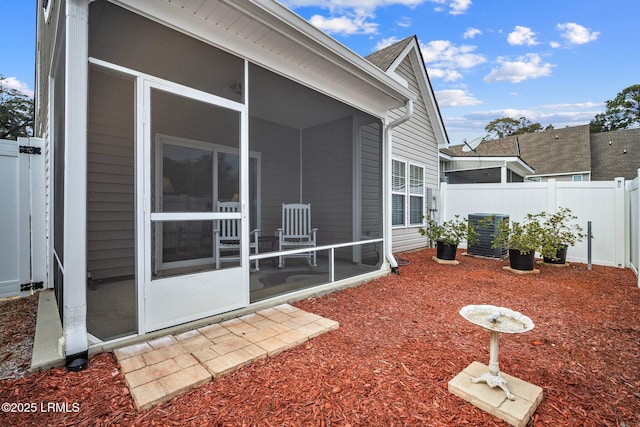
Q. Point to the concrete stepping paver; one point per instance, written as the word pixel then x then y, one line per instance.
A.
pixel 162 368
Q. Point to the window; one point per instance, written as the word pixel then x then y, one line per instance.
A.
pixel 408 201
pixel 576 178
pixel 398 189
pixel 416 194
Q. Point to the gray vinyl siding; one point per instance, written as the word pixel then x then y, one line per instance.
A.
pixel 327 175
pixel 415 141
pixel 48 34
pixel 110 177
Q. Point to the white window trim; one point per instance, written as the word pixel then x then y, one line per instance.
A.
pixel 410 194
pixel 407 193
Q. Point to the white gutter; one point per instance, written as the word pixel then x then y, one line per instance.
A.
pixel 388 166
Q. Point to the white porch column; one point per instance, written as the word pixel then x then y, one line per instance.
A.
pixel 503 174
pixel 75 185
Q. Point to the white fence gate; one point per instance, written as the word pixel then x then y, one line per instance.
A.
pixel 22 217
pixel 604 203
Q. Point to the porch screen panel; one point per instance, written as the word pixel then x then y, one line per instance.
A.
pixel 195 164
pixel 125 38
pixel 59 145
pixel 371 191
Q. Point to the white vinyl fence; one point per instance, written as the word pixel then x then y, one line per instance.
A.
pixel 611 206
pixel 22 232
pixel 633 203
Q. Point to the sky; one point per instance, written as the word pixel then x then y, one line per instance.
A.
pixel 552 61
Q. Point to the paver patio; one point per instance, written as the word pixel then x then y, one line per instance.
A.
pixel 159 369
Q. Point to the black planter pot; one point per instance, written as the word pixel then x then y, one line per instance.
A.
pixel 519 261
pixel 561 256
pixel 446 252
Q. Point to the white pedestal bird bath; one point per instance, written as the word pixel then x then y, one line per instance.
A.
pixel 496 320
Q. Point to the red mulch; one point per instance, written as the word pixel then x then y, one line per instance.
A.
pixel 400 341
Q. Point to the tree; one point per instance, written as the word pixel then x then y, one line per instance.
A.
pixel 622 112
pixel 506 126
pixel 16 112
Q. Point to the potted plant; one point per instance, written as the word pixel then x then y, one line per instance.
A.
pixel 559 232
pixel 522 238
pixel 448 235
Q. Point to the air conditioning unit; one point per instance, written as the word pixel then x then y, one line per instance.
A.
pixel 486 225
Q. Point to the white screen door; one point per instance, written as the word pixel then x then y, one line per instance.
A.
pixel 186 135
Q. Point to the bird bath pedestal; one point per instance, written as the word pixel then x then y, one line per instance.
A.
pixel 522 398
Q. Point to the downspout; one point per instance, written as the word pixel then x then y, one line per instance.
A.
pixel 387 224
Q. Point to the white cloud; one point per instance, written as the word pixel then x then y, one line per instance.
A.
pixel 456 98
pixel 555 45
pixel 455 7
pixel 349 17
pixel 459 7
pixel 574 105
pixel 404 22
pixel 576 33
pixel 525 67
pixel 444 59
pixel 446 75
pixel 444 54
pixel 522 36
pixel 386 42
pixel 471 33
pixel 14 83
pixel 345 25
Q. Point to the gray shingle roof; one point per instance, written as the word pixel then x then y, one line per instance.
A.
pixel 556 151
pixel 385 57
pixel 609 160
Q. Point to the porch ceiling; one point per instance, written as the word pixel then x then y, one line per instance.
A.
pixel 270 35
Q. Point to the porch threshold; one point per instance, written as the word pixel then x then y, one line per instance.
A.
pixel 46 344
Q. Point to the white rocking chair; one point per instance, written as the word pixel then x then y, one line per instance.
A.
pixel 296 232
pixel 227 236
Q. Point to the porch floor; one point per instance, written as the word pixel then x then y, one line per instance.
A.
pixel 159 369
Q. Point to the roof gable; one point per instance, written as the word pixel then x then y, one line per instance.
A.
pixel 385 57
pixel 390 58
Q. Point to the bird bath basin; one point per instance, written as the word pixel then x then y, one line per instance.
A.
pixel 496 320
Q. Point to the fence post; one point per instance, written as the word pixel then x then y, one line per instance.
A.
pixel 443 202
pixel 619 222
pixel 552 202
pixel 637 228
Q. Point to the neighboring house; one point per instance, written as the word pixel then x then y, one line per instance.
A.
pixel 415 144
pixel 561 154
pixel 153 112
pixel 567 154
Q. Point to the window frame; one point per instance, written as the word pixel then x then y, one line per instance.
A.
pixel 407 192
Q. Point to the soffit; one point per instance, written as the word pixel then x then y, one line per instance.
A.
pixel 270 35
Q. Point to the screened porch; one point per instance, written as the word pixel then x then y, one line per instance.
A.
pixel 169 141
